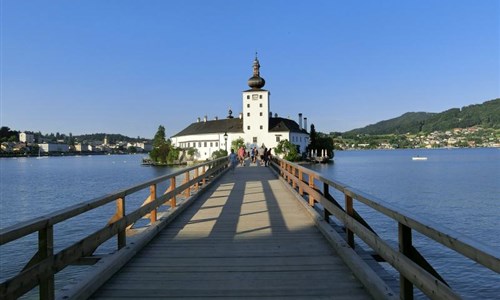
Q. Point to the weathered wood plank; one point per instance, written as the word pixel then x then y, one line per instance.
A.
pixel 247 237
pixel 297 293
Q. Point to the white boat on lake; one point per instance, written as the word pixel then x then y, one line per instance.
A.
pixel 419 158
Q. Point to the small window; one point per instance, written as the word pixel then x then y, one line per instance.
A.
pixel 216 144
pixel 260 114
pixel 248 114
pixel 255 140
pixel 205 144
pixel 261 127
pixel 260 105
pixel 199 144
pixel 260 96
pixel 248 105
pixel 211 144
pixel 248 127
pixel 277 138
pixel 248 96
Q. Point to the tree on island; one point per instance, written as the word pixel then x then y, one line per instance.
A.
pixel 320 142
pixel 288 149
pixel 161 148
pixel 312 138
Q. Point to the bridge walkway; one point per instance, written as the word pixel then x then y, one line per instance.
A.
pixel 246 236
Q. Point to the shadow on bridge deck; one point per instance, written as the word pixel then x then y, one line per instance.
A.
pixel 244 237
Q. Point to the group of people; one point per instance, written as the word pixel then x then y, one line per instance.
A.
pixel 263 154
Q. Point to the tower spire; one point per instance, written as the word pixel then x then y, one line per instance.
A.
pixel 256 82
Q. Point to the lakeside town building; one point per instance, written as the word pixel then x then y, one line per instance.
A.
pixel 255 125
pixel 52 147
pixel 26 137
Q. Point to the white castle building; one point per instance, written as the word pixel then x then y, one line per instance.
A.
pixel 256 125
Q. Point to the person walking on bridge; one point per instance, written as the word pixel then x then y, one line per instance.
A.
pixel 233 160
pixel 261 152
pixel 241 155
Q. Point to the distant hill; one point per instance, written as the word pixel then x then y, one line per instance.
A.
pixel 486 115
pixel 111 137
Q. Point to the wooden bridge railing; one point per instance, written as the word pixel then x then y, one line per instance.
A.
pixel 414 270
pixel 40 270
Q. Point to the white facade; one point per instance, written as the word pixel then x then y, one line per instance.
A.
pixel 26 137
pixel 46 147
pixel 256 117
pixel 141 146
pixel 83 147
pixel 255 126
pixel 205 144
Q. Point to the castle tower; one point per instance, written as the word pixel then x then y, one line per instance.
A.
pixel 256 108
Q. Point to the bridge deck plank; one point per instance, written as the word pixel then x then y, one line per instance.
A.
pixel 245 237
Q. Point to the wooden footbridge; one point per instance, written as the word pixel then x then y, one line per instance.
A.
pixel 254 232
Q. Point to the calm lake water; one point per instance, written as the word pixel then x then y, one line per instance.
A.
pixel 457 188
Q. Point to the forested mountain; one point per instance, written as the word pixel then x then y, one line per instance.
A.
pixel 486 115
pixel 111 137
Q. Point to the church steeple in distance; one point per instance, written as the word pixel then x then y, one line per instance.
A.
pixel 256 82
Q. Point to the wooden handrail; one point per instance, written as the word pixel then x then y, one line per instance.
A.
pixel 45 263
pixel 406 259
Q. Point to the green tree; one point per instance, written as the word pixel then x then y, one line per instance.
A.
pixel 71 140
pixel 8 135
pixel 313 136
pixel 320 141
pixel 325 143
pixel 159 154
pixel 173 155
pixel 288 149
pixel 192 151
pixel 132 149
pixel 161 147
pixel 219 153
pixel 159 138
pixel 237 143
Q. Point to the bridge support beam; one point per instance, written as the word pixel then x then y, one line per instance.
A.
pixel 405 247
pixel 46 250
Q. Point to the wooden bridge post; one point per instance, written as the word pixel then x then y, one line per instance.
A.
pixel 326 193
pixel 46 250
pixel 311 185
pixel 173 200
pixel 120 213
pixel 405 247
pixel 301 178
pixel 187 192
pixel 350 212
pixel 197 184
pixel 294 184
pixel 204 180
pixel 152 197
pixel 289 168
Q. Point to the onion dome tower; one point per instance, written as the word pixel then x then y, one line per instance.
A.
pixel 256 107
pixel 256 82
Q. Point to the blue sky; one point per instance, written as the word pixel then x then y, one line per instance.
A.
pixel 129 66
